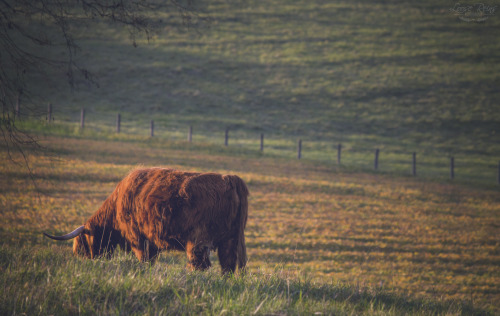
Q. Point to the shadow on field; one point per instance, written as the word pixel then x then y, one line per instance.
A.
pixel 300 253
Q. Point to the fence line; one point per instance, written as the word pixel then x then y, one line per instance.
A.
pixel 50 118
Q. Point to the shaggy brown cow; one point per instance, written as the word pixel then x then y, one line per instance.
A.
pixel 162 209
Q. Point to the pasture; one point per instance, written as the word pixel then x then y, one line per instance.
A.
pixel 399 76
pixel 319 239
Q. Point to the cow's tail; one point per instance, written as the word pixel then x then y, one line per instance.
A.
pixel 242 192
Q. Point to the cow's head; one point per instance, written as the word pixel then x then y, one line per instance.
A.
pixel 92 243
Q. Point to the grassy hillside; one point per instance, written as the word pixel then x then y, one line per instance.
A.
pixel 400 76
pixel 319 240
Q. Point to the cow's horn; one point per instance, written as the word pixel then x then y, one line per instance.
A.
pixel 71 235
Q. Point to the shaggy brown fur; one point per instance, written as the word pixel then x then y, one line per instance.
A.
pixel 162 209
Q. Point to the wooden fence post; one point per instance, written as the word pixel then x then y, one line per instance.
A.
pixel 226 137
pixel 498 177
pixel 262 142
pixel 152 128
pixel 376 159
pixel 452 168
pixel 339 153
pixel 118 122
pixel 414 165
pixel 190 133
pixel 82 118
pixel 299 149
pixel 49 113
pixel 18 106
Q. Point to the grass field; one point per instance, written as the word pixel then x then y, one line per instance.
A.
pixel 400 76
pixel 319 240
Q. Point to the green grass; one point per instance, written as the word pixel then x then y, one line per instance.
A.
pixel 400 76
pixel 49 280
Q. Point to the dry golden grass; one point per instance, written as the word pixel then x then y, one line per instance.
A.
pixel 409 236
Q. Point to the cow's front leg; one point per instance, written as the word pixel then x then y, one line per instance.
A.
pixel 198 256
pixel 145 251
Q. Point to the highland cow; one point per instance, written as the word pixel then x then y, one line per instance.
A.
pixel 158 209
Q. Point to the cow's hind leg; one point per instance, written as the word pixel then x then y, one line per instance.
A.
pixel 228 255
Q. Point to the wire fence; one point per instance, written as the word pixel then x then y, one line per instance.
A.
pixel 412 163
